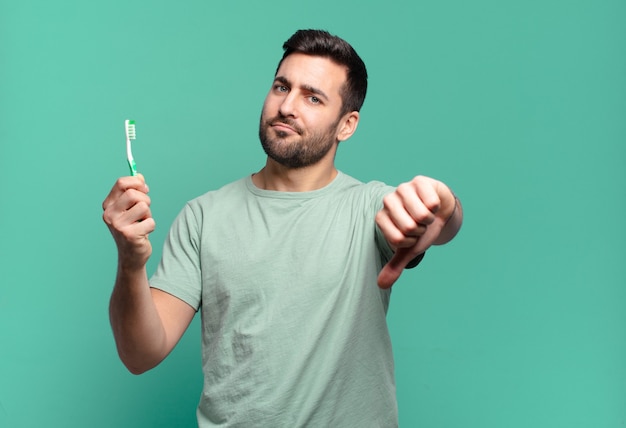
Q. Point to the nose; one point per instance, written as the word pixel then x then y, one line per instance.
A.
pixel 287 106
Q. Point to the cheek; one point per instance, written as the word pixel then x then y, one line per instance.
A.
pixel 272 99
pixel 265 113
pixel 267 102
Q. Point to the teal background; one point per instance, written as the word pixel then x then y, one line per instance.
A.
pixel 518 105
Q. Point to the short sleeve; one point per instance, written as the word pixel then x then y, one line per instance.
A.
pixel 178 272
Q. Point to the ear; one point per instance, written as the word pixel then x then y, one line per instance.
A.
pixel 347 125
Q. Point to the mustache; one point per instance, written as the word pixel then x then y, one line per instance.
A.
pixel 285 121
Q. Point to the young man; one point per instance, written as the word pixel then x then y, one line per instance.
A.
pixel 290 267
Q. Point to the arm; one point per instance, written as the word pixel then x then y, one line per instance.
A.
pixel 418 214
pixel 146 323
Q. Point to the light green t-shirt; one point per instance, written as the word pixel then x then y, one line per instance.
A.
pixel 293 323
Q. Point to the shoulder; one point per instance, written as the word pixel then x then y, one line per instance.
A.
pixel 371 190
pixel 207 205
pixel 227 192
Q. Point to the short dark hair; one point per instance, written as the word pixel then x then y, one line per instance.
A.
pixel 322 43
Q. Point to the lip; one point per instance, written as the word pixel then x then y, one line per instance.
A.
pixel 281 126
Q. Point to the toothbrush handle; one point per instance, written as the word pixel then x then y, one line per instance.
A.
pixel 129 156
pixel 133 167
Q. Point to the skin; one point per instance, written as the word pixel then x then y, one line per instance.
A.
pixel 302 109
pixel 306 95
pixel 418 214
pixel 147 323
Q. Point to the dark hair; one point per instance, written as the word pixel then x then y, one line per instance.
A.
pixel 322 43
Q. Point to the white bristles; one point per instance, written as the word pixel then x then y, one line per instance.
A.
pixel 130 129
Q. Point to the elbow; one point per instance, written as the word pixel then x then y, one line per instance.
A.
pixel 136 364
pixel 137 369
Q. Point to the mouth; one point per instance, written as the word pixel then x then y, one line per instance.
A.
pixel 284 128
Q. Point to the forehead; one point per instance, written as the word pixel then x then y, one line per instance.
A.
pixel 316 71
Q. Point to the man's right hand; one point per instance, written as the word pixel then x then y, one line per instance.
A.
pixel 127 214
pixel 147 322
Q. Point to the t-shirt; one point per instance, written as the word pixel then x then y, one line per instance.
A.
pixel 293 322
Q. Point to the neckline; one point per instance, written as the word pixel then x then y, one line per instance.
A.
pixel 278 194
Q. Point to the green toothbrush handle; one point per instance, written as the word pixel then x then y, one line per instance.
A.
pixel 133 167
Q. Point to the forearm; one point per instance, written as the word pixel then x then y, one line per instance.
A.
pixel 137 326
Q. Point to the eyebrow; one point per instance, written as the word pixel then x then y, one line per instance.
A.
pixel 309 88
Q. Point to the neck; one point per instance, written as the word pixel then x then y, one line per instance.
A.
pixel 280 178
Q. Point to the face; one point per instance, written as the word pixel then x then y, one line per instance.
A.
pixel 300 123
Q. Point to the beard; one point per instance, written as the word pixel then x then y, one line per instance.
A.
pixel 309 150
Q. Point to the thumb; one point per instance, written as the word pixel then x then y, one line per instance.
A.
pixel 390 273
pixel 403 256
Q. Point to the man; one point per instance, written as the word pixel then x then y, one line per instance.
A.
pixel 282 264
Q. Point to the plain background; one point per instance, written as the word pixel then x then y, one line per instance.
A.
pixel 518 105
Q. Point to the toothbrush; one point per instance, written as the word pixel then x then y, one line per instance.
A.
pixel 130 135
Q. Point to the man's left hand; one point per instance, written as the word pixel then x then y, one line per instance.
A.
pixel 412 219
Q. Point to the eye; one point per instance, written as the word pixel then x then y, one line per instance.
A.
pixel 281 88
pixel 315 100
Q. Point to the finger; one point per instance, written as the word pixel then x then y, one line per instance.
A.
pixel 122 185
pixel 397 224
pixel 130 207
pixel 141 229
pixel 390 273
pixel 393 235
pixel 133 238
pixel 418 201
pixel 139 211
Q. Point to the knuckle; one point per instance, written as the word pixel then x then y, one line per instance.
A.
pixel 395 237
pixel 388 200
pixel 106 218
pixel 380 217
pixel 402 241
pixel 143 206
pixel 419 179
pixel 424 218
pixel 119 183
pixel 433 206
pixel 413 230
pixel 404 188
pixel 150 224
pixel 409 229
pixel 395 240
